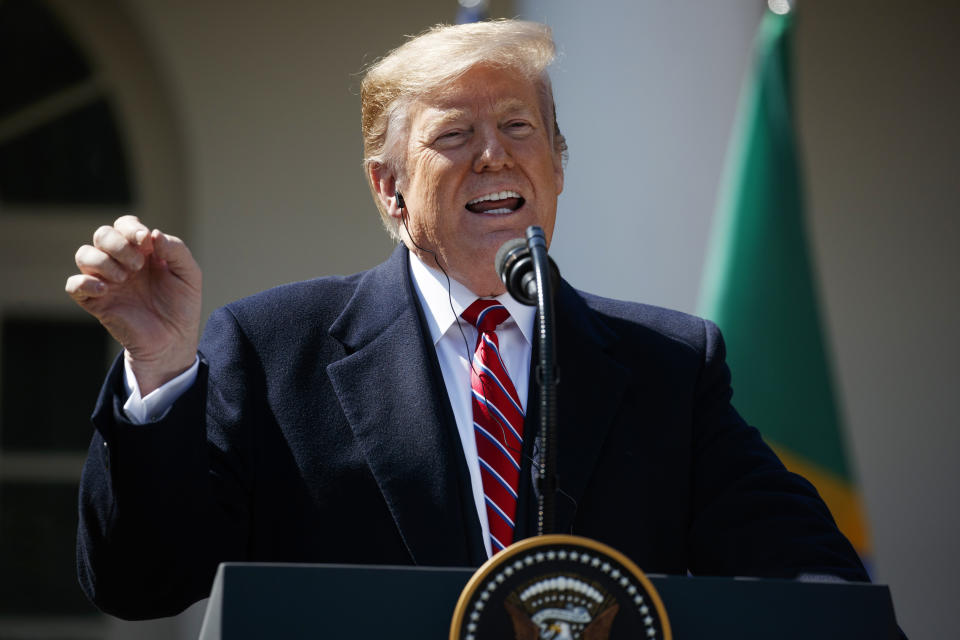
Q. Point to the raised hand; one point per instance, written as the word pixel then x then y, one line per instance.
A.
pixel 145 287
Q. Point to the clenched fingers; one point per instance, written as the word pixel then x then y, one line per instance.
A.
pixel 94 262
pixel 134 231
pixel 82 287
pixel 118 246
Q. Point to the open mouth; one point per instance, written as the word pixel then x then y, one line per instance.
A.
pixel 496 203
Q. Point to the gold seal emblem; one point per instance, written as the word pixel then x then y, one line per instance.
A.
pixel 559 587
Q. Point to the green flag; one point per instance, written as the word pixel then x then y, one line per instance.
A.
pixel 759 288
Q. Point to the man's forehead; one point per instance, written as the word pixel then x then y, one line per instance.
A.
pixel 443 110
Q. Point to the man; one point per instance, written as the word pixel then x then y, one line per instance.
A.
pixel 354 419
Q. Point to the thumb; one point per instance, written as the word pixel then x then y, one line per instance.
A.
pixel 175 254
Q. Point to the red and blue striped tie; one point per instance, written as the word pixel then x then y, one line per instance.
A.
pixel 497 422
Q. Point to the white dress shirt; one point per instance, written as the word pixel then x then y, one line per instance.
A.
pixel 454 339
pixel 455 351
pixel 143 409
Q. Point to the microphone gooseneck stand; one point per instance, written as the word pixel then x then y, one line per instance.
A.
pixel 528 274
pixel 545 372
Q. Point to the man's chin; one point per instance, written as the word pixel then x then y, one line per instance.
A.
pixel 480 274
pixel 494 238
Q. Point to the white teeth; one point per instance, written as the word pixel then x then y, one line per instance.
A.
pixel 496 195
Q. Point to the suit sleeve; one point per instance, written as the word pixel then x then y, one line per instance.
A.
pixel 750 515
pixel 163 503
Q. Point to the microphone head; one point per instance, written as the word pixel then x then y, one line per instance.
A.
pixel 510 251
pixel 514 265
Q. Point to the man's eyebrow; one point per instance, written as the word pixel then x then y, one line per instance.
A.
pixel 511 105
pixel 443 117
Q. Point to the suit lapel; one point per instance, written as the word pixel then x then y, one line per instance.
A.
pixel 590 392
pixel 394 400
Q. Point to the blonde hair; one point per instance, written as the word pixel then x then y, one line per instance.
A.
pixel 433 60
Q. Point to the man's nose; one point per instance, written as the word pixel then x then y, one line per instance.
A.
pixel 493 153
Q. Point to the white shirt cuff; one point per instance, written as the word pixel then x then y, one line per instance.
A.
pixel 140 410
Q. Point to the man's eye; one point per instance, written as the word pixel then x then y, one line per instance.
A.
pixel 449 138
pixel 519 126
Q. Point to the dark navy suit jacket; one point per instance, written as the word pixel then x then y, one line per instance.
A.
pixel 319 430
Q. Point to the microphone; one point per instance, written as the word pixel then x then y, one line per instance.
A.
pixel 529 275
pixel 515 266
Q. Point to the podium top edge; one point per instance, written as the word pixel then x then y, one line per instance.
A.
pixel 469 570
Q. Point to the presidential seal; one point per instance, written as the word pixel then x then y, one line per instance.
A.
pixel 559 587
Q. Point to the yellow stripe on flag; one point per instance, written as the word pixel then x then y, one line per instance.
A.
pixel 841 498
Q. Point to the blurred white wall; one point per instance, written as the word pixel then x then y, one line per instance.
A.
pixel 878 101
pixel 646 92
pixel 268 97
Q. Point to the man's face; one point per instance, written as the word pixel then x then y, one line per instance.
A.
pixel 480 169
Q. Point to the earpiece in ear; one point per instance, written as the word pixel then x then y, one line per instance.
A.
pixel 400 203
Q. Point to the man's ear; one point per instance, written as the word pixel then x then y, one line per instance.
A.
pixel 558 173
pixel 385 184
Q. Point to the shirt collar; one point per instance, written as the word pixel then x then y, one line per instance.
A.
pixel 431 287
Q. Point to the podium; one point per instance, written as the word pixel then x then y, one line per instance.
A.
pixel 293 601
